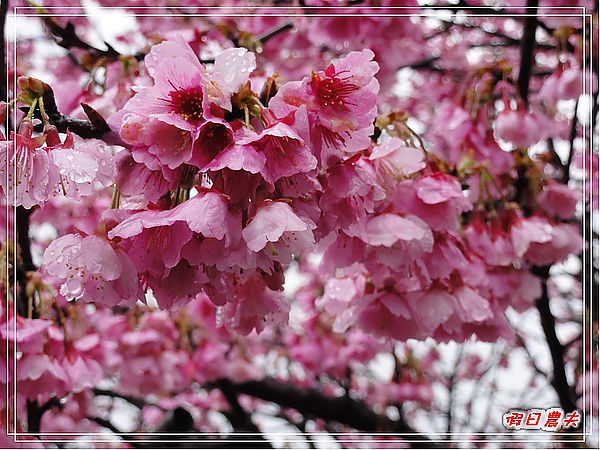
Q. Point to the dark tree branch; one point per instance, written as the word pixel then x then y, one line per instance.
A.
pixel 275 31
pixel 25 263
pixel 495 34
pixel 23 238
pixel 523 345
pixel 240 419
pixel 565 392
pixel 344 410
pixel 34 416
pixel 527 51
pixel 463 5
pixel 451 393
pixel 35 411
pixel 67 38
pixel 94 127
pixel 135 401
pixel 527 59
pixel 263 39
pixel 423 64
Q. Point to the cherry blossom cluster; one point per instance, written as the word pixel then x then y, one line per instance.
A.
pixel 217 193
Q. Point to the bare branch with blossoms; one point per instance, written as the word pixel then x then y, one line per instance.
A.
pixel 344 410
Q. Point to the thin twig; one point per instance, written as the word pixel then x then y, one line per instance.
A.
pixel 94 127
pixel 451 385
pixel 67 38
pixel 275 31
pixel 572 135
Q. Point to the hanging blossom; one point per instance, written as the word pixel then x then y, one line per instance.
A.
pixel 334 109
pixel 42 166
pixel 80 165
pixel 25 173
pixel 180 118
pixel 221 193
pixel 89 268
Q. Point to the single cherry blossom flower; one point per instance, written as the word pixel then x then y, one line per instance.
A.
pixel 334 109
pixel 89 268
pixel 25 170
pixel 278 231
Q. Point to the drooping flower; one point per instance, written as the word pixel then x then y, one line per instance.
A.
pixel 519 127
pixel 170 246
pixel 517 288
pixel 388 314
pixel 565 239
pixel 564 84
pixel 505 238
pixel 256 307
pixel 350 192
pixel 275 152
pixel 393 160
pixel 437 199
pixel 334 109
pixel 557 200
pixel 278 231
pixel 89 268
pixel 150 361
pixel 134 178
pixel 153 240
pixel 28 181
pixel 81 165
pixel 388 229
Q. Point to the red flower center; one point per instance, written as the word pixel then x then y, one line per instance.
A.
pixel 332 90
pixel 187 102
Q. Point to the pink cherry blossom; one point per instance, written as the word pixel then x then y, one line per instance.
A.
pixel 437 199
pixel 565 240
pixel 230 72
pixel 564 84
pixel 25 170
pixel 89 268
pixel 278 231
pixel 557 200
pixel 135 178
pixel 520 127
pixel 339 105
pixel 178 96
pixel 256 307
pixel 81 165
pixel 393 160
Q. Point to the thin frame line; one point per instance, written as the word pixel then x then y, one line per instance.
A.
pixel 288 15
